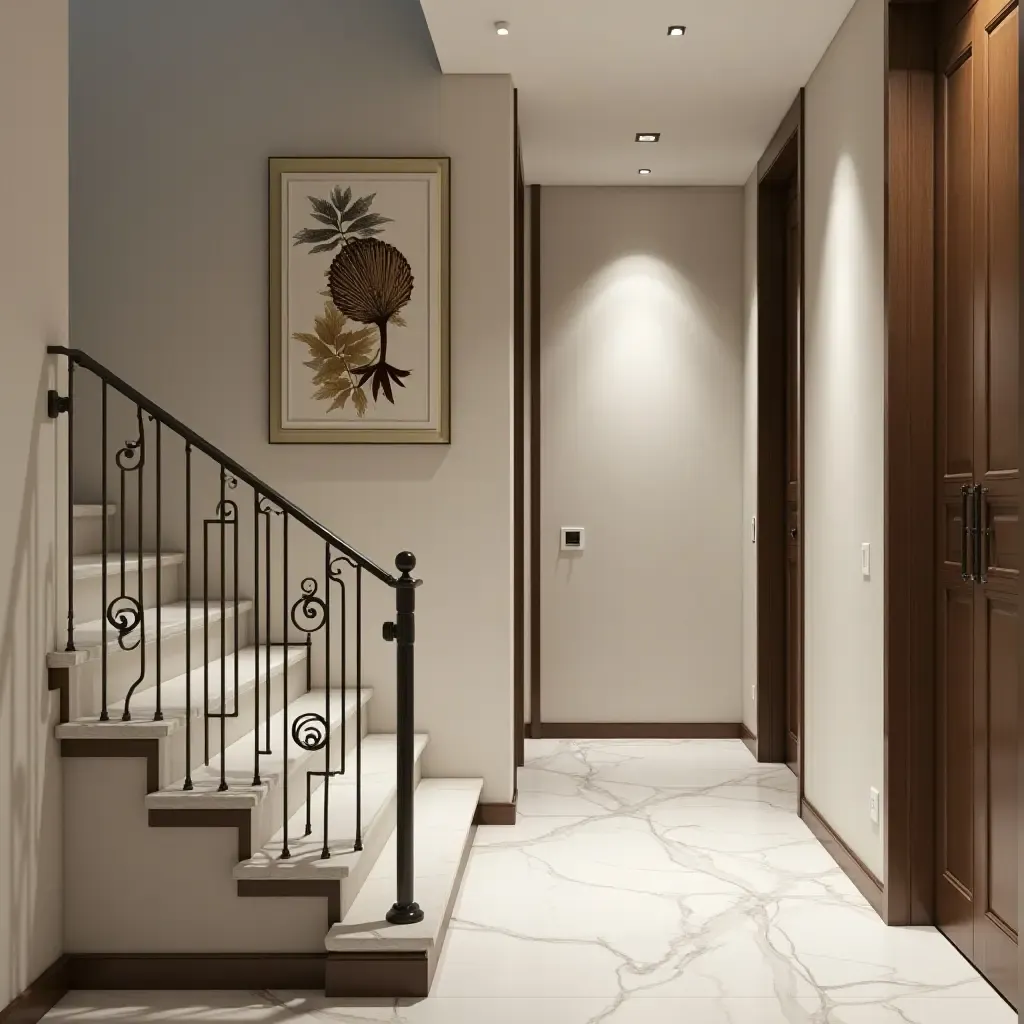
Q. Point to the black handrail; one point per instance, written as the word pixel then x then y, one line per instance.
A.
pixel 76 355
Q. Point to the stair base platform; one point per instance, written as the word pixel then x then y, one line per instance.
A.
pixel 366 956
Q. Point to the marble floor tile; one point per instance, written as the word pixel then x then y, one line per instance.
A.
pixel 645 883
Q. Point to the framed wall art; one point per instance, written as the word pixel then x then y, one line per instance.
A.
pixel 359 292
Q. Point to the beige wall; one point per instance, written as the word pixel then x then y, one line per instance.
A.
pixel 33 313
pixel 642 391
pixel 845 428
pixel 175 110
pixel 749 452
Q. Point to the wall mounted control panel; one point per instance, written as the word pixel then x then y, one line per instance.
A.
pixel 573 538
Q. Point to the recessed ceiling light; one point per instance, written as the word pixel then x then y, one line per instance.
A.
pixel 648 136
pixel 677 30
pixel 645 170
pixel 501 27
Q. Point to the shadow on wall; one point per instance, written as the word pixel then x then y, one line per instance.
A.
pixel 29 768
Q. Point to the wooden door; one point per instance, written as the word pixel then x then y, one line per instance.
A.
pixel 794 576
pixel 978 493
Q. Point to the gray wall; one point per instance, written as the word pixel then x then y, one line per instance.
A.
pixel 175 109
pixel 642 409
pixel 33 313
pixel 844 432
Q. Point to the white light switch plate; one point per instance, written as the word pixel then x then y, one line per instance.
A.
pixel 873 805
pixel 570 534
pixel 865 561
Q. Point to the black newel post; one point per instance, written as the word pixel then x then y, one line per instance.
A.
pixel 403 633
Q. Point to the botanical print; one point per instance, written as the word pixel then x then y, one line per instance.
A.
pixel 370 282
pixel 359 300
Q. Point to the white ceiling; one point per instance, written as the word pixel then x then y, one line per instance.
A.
pixel 593 73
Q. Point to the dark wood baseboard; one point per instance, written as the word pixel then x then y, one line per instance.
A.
pixel 119 971
pixel 635 730
pixel 396 973
pixel 853 867
pixel 749 739
pixel 497 814
pixel 40 997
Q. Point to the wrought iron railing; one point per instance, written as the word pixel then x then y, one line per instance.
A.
pixel 126 617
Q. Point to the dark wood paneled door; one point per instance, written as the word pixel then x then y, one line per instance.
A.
pixel 794 576
pixel 979 490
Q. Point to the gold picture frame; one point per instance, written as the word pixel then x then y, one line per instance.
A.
pixel 359 301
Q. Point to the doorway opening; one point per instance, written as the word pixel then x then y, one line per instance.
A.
pixel 779 532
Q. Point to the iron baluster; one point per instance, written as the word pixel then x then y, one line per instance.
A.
pixel 158 714
pixel 104 543
pixel 206 643
pixel 132 615
pixel 402 632
pixel 326 852
pixel 359 708
pixel 256 638
pixel 312 731
pixel 69 405
pixel 188 616
pixel 285 852
pixel 223 646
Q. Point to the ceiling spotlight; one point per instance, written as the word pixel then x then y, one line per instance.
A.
pixel 677 30
pixel 501 27
pixel 645 170
pixel 648 136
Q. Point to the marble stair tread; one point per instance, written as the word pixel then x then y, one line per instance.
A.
pixel 91 566
pixel 174 696
pixel 444 811
pixel 239 758
pixel 92 511
pixel 379 773
pixel 89 635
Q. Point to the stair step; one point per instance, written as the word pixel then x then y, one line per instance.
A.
pixel 89 566
pixel 238 759
pixel 90 524
pixel 173 696
pixel 92 511
pixel 173 622
pixel 379 772
pixel 444 811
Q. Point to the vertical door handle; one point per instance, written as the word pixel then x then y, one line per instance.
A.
pixel 980 535
pixel 965 531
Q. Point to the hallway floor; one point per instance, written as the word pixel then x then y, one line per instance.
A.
pixel 646 883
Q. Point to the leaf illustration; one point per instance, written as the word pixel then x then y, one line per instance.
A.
pixel 324 211
pixel 341 200
pixel 325 246
pixel 358 208
pixel 334 352
pixel 308 235
pixel 371 220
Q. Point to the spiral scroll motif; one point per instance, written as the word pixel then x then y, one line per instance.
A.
pixel 335 569
pixel 310 731
pixel 311 609
pixel 125 615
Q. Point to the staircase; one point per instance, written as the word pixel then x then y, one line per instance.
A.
pixel 230 818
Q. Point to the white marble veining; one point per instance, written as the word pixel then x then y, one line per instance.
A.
pixel 645 883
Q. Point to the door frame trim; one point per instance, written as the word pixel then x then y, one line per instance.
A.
pixel 518 445
pixel 910 465
pixel 783 156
